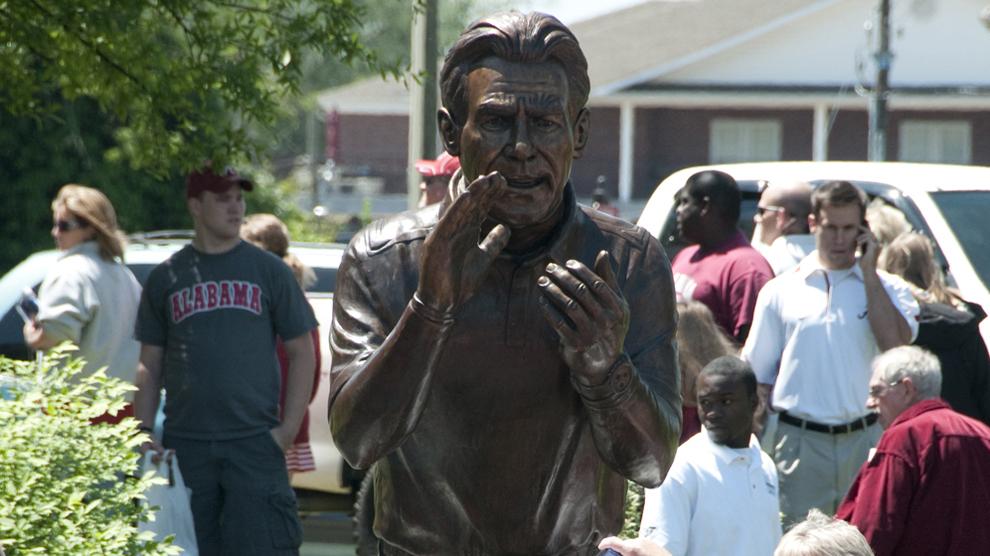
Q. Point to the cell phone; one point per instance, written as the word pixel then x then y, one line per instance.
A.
pixel 609 552
pixel 861 245
pixel 27 307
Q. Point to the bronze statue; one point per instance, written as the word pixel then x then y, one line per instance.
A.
pixel 506 357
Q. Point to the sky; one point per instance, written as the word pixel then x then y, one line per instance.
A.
pixel 569 11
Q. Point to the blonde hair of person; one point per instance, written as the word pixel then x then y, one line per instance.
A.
pixel 271 234
pixel 886 222
pixel 699 341
pixel 94 208
pixel 820 535
pixel 912 257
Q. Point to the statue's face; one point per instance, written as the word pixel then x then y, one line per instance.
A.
pixel 518 124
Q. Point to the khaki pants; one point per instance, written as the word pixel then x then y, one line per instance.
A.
pixel 816 468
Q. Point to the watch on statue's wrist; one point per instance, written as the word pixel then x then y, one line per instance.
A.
pixel 615 389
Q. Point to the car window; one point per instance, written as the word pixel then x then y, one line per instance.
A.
pixel 326 280
pixel 141 271
pixel 11 336
pixel 966 210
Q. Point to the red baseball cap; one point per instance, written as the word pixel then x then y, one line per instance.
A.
pixel 208 180
pixel 444 165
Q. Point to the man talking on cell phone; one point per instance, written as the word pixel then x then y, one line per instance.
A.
pixel 506 356
pixel 815 331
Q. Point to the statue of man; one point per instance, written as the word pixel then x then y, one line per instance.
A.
pixel 506 356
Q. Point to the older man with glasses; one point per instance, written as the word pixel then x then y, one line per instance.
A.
pixel 926 488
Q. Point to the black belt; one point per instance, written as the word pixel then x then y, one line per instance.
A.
pixel 844 428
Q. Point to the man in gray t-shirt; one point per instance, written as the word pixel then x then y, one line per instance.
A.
pixel 207 323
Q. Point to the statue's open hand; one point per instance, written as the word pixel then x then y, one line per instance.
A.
pixel 454 263
pixel 589 314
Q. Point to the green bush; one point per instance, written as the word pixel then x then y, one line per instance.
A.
pixel 68 487
pixel 635 498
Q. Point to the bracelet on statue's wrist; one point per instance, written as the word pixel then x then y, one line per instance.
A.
pixel 442 318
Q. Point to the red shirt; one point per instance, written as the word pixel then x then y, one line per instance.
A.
pixel 283 363
pixel 927 488
pixel 726 279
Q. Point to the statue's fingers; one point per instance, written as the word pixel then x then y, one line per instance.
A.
pixel 608 288
pixel 577 281
pixel 486 190
pixel 471 207
pixel 558 321
pixel 603 268
pixel 495 241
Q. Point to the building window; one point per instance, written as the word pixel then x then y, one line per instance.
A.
pixel 737 140
pixel 935 141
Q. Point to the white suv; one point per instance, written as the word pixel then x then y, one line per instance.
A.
pixel 144 252
pixel 948 203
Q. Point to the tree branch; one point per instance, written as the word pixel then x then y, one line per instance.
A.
pixel 253 9
pixel 99 53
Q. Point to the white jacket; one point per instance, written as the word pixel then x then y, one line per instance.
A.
pixel 93 303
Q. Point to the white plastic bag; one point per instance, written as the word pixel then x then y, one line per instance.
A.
pixel 174 516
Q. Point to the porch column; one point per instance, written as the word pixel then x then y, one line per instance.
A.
pixel 627 128
pixel 819 141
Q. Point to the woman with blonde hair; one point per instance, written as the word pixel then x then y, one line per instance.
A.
pixel 948 325
pixel 699 341
pixel 89 298
pixel 271 234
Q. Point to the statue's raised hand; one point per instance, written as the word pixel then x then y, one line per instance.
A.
pixel 589 314
pixel 454 262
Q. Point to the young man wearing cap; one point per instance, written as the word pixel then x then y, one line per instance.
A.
pixel 436 175
pixel 207 324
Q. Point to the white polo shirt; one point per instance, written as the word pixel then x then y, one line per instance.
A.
pixel 715 500
pixel 811 323
pixel 787 251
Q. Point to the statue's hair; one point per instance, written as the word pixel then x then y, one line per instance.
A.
pixel 514 37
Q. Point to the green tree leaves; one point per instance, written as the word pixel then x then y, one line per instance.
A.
pixel 185 79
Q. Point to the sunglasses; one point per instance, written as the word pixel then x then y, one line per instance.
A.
pixel 69 225
pixel 769 208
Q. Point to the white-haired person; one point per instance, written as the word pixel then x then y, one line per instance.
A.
pixel 821 535
pixel 89 298
pixel 926 489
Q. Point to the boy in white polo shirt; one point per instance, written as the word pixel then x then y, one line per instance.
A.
pixel 720 495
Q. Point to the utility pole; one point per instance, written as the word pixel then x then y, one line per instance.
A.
pixel 877 149
pixel 423 93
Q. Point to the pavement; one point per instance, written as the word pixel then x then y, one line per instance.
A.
pixel 327 534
